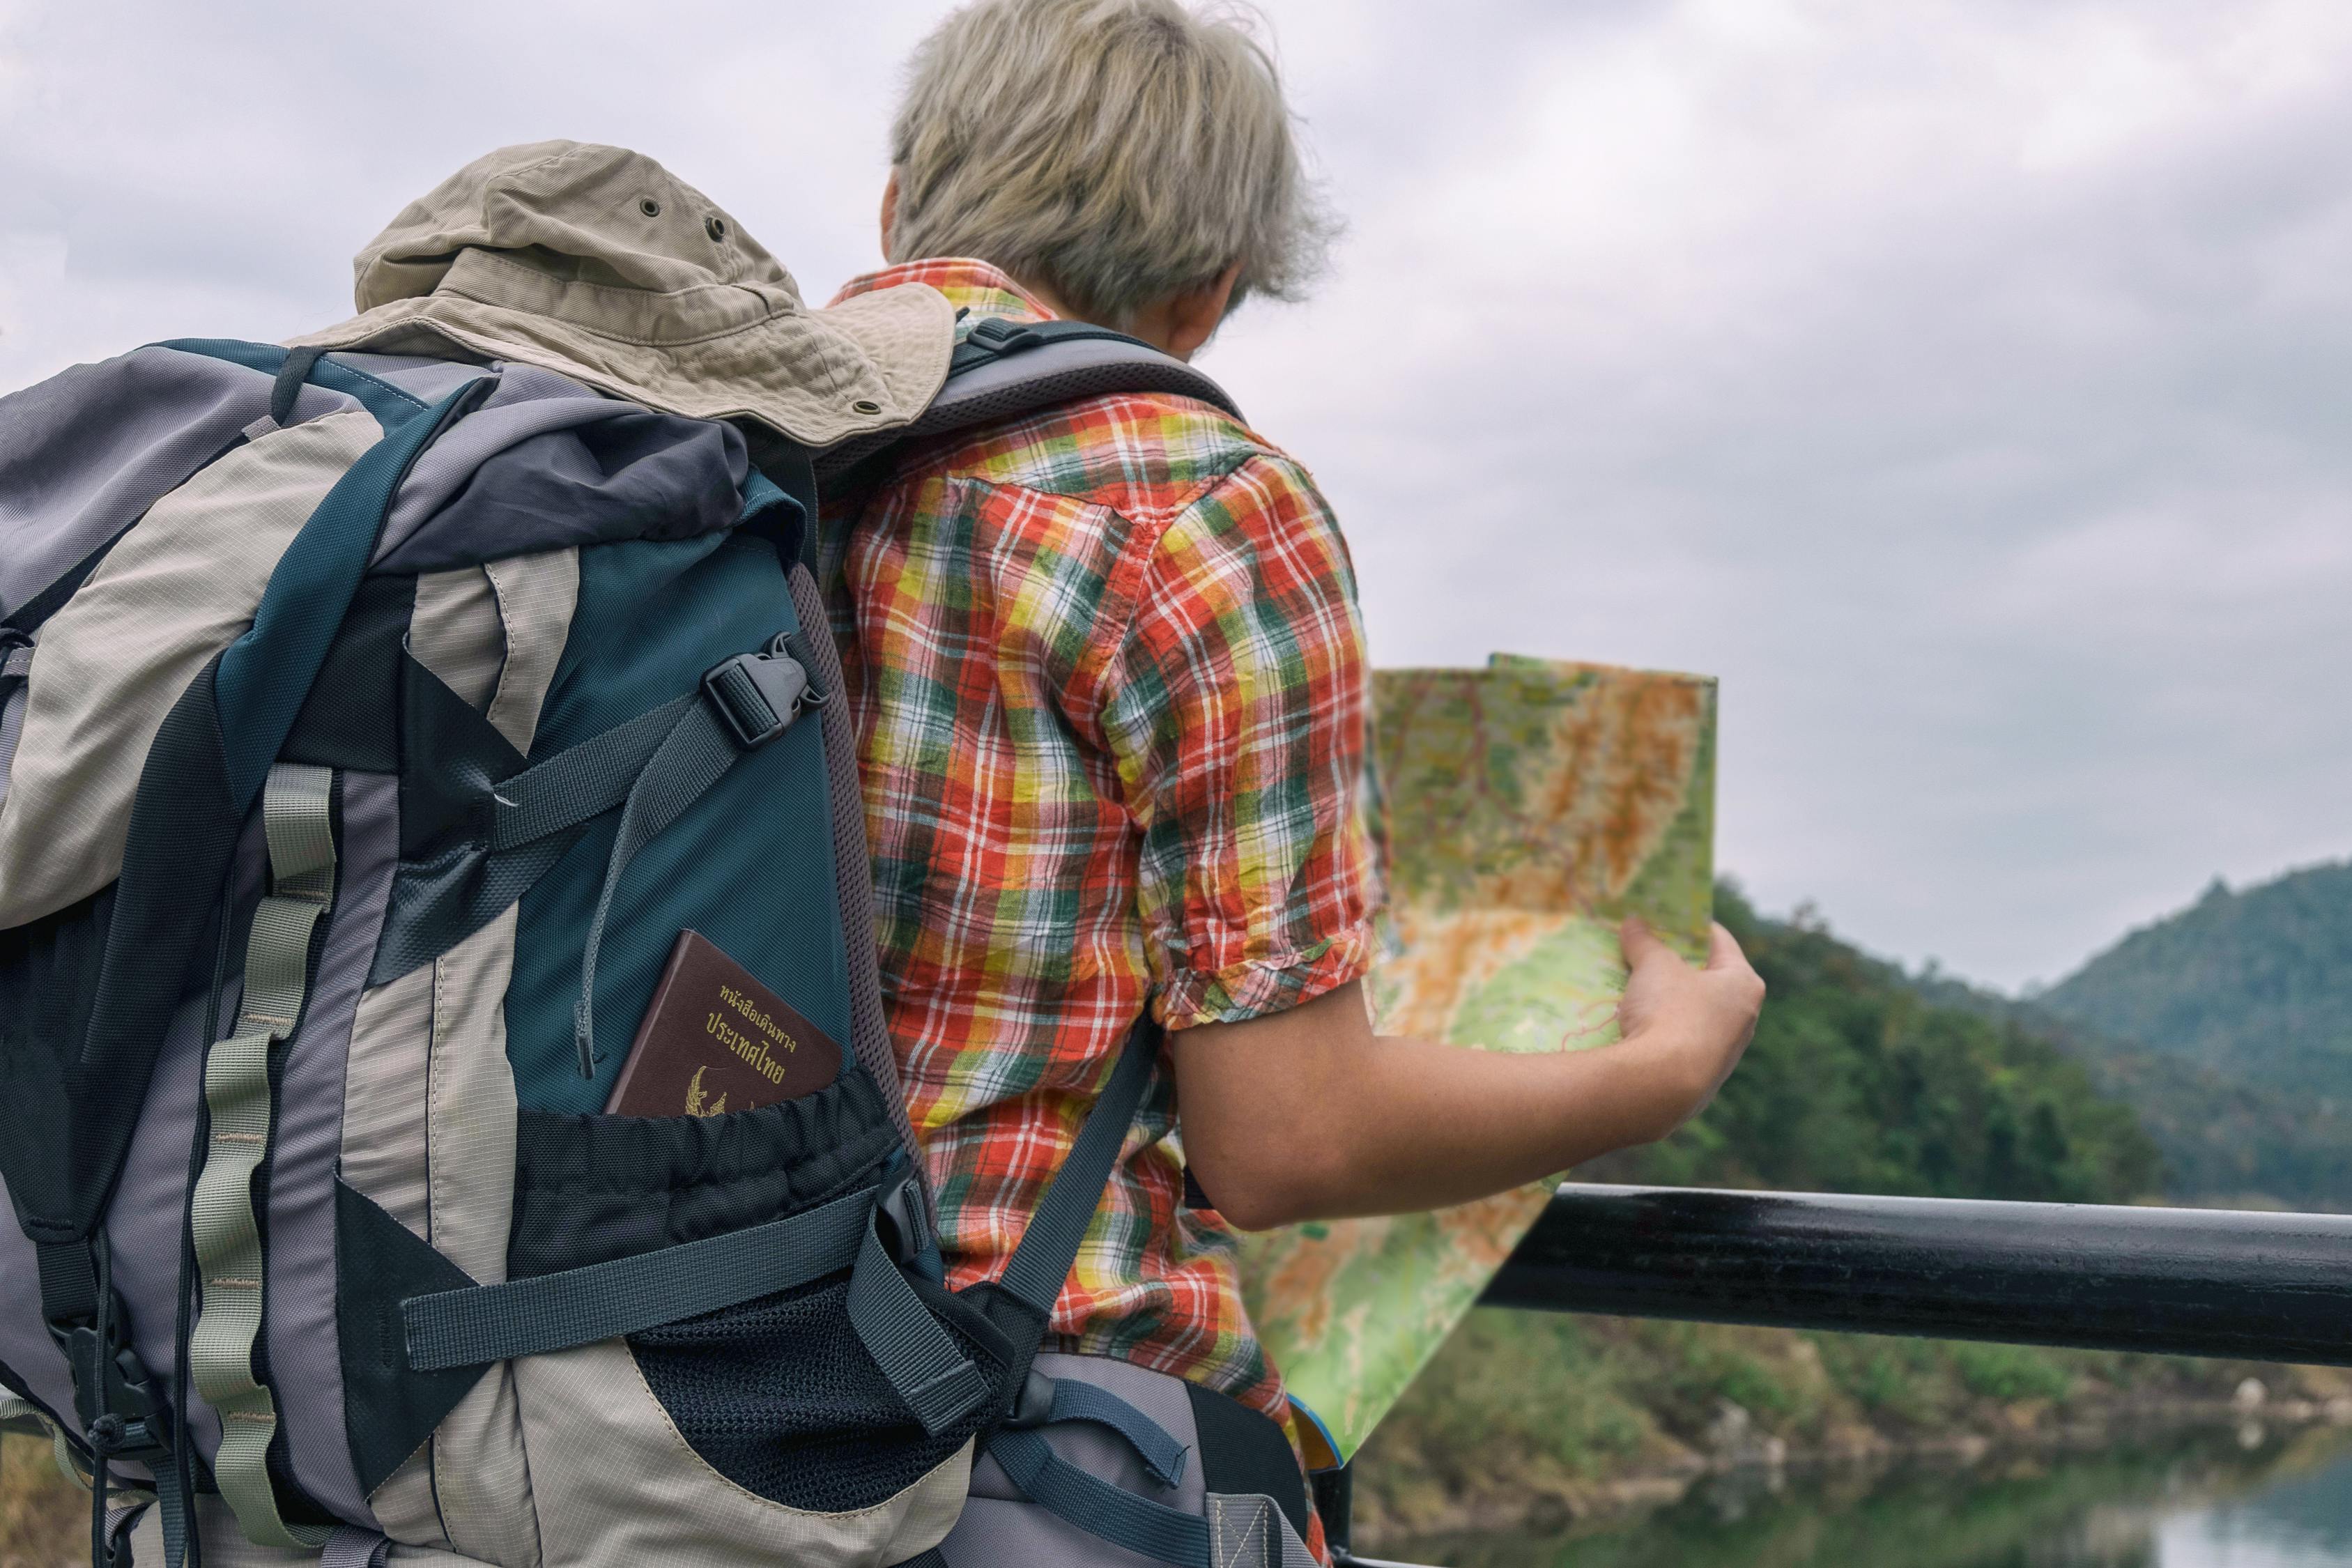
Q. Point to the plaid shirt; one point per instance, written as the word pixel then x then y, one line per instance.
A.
pixel 1110 683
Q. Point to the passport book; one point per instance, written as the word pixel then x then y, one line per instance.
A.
pixel 715 1040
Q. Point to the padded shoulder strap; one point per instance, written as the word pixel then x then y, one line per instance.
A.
pixel 1004 369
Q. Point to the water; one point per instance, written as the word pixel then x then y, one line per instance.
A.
pixel 2207 1503
pixel 2303 1523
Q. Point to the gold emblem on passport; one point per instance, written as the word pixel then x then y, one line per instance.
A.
pixel 715 1040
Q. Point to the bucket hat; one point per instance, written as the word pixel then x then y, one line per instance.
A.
pixel 597 262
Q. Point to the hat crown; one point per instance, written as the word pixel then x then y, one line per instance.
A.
pixel 579 212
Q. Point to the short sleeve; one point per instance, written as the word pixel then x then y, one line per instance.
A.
pixel 1235 710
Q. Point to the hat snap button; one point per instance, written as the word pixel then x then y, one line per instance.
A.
pixel 649 206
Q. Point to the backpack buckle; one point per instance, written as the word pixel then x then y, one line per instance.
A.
pixel 757 695
pixel 998 335
pixel 908 1239
pixel 126 1413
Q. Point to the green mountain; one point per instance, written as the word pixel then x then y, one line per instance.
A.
pixel 2255 984
pixel 2228 1026
pixel 1858 1082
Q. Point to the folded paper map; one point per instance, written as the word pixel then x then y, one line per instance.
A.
pixel 1526 808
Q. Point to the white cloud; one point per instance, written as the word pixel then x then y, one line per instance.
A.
pixel 1963 380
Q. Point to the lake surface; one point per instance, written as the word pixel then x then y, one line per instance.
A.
pixel 2215 1502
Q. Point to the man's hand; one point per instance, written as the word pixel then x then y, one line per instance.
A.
pixel 1307 1114
pixel 1696 1022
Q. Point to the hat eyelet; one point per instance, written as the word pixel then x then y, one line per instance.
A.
pixel 866 405
pixel 715 227
pixel 649 206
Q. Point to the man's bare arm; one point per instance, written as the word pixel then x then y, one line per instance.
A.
pixel 1308 1114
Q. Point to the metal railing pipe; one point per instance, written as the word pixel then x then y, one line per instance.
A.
pixel 2206 1282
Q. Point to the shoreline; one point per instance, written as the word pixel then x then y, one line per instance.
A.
pixel 2025 1431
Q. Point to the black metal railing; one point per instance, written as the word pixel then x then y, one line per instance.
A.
pixel 2207 1282
pixel 2240 1284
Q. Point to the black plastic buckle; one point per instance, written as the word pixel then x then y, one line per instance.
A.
pixel 122 1406
pixel 999 336
pixel 908 1236
pixel 757 695
pixel 796 643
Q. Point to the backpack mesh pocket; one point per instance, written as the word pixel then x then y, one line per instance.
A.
pixel 780 1396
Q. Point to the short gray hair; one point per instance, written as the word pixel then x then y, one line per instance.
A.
pixel 1115 152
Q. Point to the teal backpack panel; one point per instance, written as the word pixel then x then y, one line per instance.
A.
pixel 749 865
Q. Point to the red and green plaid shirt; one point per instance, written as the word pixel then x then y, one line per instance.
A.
pixel 1110 683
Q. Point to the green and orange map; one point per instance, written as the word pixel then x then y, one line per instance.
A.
pixel 1526 808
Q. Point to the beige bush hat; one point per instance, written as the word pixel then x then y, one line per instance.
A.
pixel 598 262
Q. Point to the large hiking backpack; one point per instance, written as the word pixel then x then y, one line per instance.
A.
pixel 370 728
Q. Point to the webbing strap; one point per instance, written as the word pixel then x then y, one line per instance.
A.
pixel 265 676
pixel 171 1510
pixel 1161 1454
pixel 587 780
pixel 1247 1529
pixel 694 755
pixel 1149 1529
pixel 548 1312
pixel 296 814
pixel 17 664
pixel 922 1360
pixel 580 782
pixel 23 1416
pixel 70 1291
pixel 390 404
pixel 288 387
pixel 351 1547
pixel 171 1516
pixel 1050 1245
pixel 122 1519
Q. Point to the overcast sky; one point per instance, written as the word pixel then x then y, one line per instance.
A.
pixel 1966 384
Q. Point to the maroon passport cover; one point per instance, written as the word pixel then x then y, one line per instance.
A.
pixel 715 1040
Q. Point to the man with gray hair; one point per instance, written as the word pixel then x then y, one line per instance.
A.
pixel 1110 682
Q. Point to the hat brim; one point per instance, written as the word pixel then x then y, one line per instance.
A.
pixel 816 377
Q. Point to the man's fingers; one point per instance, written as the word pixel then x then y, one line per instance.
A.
pixel 1641 944
pixel 1723 949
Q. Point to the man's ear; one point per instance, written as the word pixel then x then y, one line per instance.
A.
pixel 889 211
pixel 1193 317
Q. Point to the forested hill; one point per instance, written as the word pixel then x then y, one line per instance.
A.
pixel 2255 984
pixel 1858 1083
pixel 2229 1027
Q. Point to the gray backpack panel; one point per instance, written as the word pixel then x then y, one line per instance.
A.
pixel 84 454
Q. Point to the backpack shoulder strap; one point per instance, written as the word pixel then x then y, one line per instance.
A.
pixel 1003 369
pixel 1048 1249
